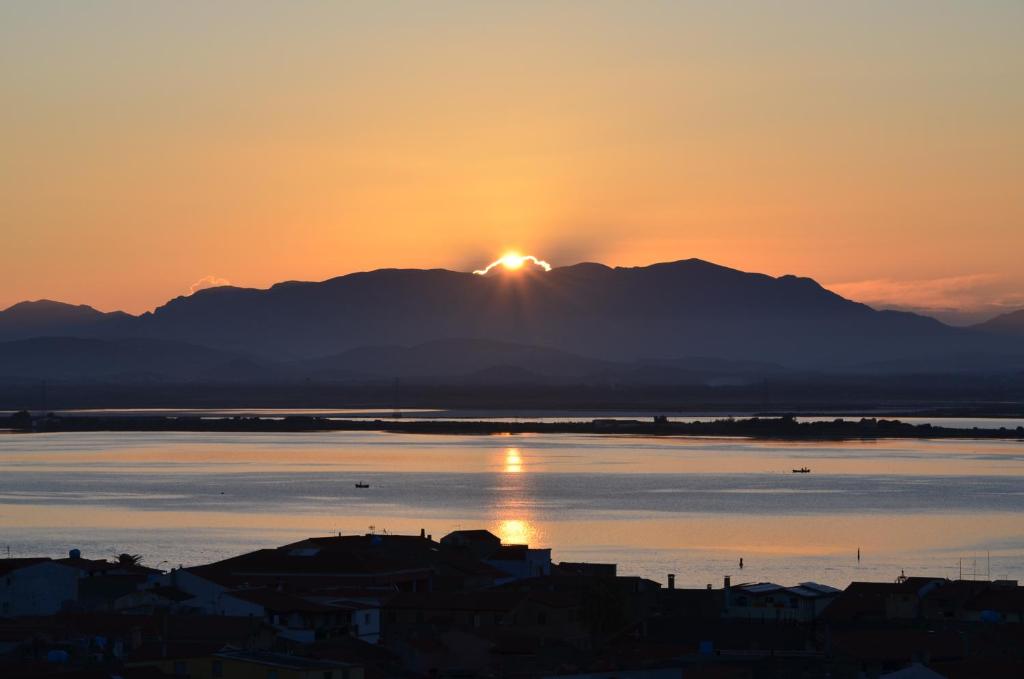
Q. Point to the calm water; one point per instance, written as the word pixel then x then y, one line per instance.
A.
pixel 654 506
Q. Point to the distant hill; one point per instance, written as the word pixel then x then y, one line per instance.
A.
pixel 46 317
pixel 455 362
pixel 1010 324
pixel 624 323
pixel 72 359
pixel 457 357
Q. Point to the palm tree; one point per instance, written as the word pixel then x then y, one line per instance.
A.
pixel 129 559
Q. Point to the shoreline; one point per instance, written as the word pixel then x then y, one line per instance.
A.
pixel 777 428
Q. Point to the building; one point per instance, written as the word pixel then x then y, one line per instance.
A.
pixel 36 587
pixel 769 601
pixel 250 664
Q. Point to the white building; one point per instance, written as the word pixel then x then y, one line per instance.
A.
pixel 768 601
pixel 35 587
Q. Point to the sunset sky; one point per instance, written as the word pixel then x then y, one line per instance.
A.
pixel 877 147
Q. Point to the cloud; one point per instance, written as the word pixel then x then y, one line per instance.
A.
pixel 210 281
pixel 981 293
pixel 513 260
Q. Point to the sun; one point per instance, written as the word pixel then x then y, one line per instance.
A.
pixel 513 261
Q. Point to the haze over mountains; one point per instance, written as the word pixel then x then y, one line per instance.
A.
pixel 674 322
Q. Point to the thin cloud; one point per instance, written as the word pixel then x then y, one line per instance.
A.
pixel 972 291
pixel 207 282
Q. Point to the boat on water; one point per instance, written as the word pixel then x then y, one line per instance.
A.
pixel 802 470
pixel 360 484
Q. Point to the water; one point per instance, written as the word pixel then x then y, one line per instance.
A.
pixel 653 505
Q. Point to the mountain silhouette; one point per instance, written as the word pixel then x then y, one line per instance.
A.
pixel 46 317
pixel 664 311
pixel 1010 324
pixel 583 319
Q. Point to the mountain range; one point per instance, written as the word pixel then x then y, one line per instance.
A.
pixel 682 321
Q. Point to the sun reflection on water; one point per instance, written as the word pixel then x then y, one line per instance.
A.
pixel 517 532
pixel 513 461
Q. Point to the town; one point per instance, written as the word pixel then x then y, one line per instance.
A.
pixel 466 605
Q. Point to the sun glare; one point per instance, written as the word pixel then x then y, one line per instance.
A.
pixel 513 261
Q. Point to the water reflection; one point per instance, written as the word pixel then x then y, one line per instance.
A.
pixel 517 532
pixel 513 503
pixel 513 461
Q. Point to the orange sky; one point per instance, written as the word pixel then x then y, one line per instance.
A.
pixel 876 147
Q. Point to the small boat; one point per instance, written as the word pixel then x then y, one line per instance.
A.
pixel 802 470
pixel 360 484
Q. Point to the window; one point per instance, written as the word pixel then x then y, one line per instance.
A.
pixel 366 618
pixel 218 669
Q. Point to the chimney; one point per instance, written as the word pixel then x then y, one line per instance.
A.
pixel 671 580
pixel 728 591
pixel 75 554
pixel 423 532
pixel 728 582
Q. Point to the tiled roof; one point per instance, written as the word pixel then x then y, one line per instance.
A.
pixel 281 602
pixel 485 600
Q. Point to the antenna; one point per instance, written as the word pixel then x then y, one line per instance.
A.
pixel 397 413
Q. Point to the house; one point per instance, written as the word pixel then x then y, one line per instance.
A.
pixel 536 615
pixel 606 604
pixel 154 599
pixel 570 568
pixel 866 602
pixel 975 601
pixel 482 543
pixel 769 601
pixel 36 586
pixel 511 561
pixel 242 664
pixel 300 618
pixel 521 561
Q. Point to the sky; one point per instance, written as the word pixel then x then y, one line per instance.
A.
pixel 150 149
